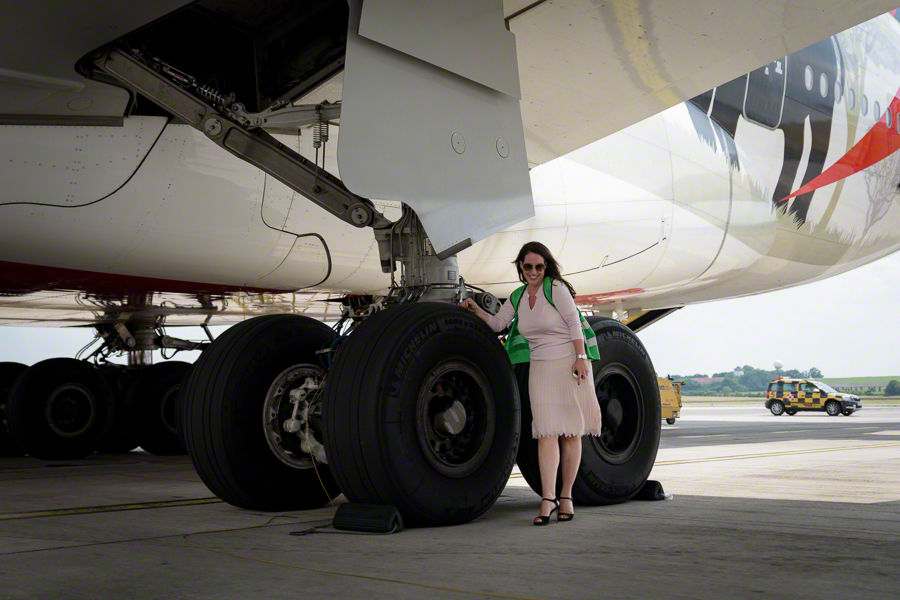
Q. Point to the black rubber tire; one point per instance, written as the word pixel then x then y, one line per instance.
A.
pixel 670 421
pixel 223 408
pixel 372 434
pixel 847 413
pixel 836 408
pixel 600 480
pixel 777 408
pixel 9 372
pixel 123 438
pixel 27 405
pixel 790 412
pixel 148 390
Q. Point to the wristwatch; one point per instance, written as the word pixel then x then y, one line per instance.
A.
pixel 582 356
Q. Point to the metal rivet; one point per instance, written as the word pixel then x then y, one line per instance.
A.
pixel 213 127
pixel 458 142
pixel 502 147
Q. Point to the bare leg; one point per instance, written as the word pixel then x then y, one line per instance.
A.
pixel 571 460
pixel 548 459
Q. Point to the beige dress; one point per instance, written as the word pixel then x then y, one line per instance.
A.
pixel 558 404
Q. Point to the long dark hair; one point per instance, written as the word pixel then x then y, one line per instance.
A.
pixel 551 270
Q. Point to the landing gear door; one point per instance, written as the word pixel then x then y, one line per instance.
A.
pixel 430 116
pixel 764 96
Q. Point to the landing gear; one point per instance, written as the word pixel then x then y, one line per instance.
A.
pixel 251 419
pixel 60 409
pixel 615 465
pixel 422 412
pixel 9 372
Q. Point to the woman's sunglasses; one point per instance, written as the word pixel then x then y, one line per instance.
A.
pixel 538 268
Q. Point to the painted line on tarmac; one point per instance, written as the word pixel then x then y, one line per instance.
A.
pixel 743 456
pixel 89 510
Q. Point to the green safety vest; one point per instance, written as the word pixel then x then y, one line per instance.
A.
pixel 517 346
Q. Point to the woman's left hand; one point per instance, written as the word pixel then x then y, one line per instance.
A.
pixel 581 369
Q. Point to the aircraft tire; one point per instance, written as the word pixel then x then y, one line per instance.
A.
pixel 9 372
pixel 615 465
pixel 422 413
pixel 153 395
pixel 123 438
pixel 222 414
pixel 60 409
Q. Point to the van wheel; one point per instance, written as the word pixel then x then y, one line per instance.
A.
pixel 777 408
pixel 832 408
pixel 847 413
pixel 670 420
pixel 790 411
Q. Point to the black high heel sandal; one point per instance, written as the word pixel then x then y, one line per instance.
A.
pixel 539 520
pixel 560 515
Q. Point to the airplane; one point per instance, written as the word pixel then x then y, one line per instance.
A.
pixel 332 178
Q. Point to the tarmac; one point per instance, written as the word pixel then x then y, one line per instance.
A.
pixel 802 507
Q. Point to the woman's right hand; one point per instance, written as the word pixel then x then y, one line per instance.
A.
pixel 470 305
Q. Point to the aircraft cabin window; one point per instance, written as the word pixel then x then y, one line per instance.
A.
pixel 808 78
pixel 823 85
pixel 888 116
pixel 898 124
pixel 864 105
pixel 876 111
pixel 838 92
pixel 851 98
pixel 764 94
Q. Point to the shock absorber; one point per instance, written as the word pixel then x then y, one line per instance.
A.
pixel 320 133
pixel 215 96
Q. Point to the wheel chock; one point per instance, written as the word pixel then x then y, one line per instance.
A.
pixel 368 518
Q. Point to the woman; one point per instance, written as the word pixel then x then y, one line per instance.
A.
pixel 561 383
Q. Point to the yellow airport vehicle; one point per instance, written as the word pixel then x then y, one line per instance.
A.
pixel 786 395
pixel 670 399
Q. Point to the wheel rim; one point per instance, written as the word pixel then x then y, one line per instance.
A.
pixel 621 413
pixel 777 408
pixel 455 418
pixel 290 448
pixel 832 409
pixel 71 410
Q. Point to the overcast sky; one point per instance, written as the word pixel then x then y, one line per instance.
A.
pixel 847 326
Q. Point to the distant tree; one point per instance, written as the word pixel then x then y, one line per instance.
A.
pixel 814 373
pixel 793 373
pixel 893 388
pixel 726 390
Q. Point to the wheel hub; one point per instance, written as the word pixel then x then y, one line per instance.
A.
pixel 455 418
pixel 71 410
pixel 621 413
pixel 292 446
